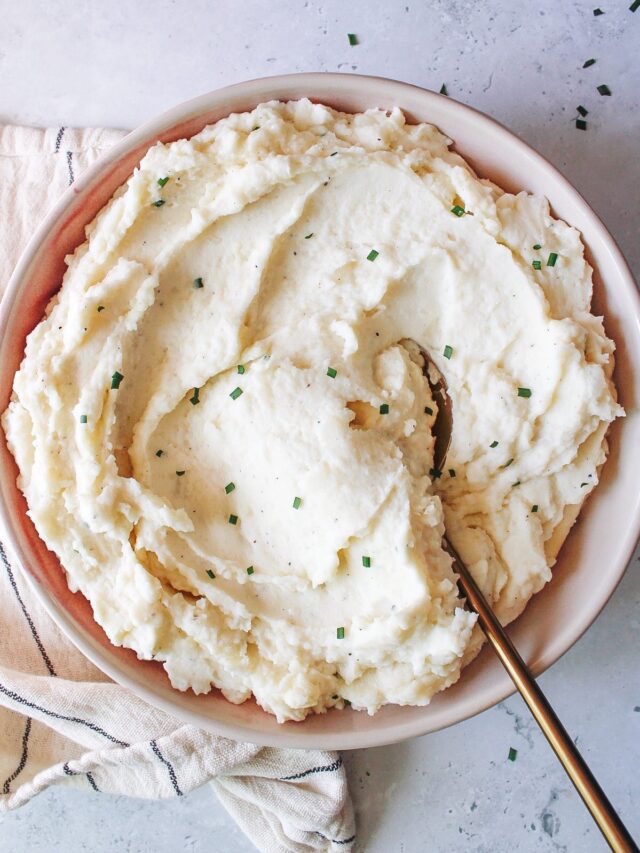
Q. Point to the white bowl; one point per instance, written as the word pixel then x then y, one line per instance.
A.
pixel 592 560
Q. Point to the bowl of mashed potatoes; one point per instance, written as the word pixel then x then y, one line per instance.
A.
pixel 218 467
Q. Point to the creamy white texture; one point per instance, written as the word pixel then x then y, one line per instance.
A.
pixel 260 251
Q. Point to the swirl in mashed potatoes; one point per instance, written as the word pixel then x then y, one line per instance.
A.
pixel 224 432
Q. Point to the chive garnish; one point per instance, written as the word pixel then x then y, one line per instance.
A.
pixel 452 472
pixel 457 210
pixel 537 265
pixel 116 379
pixel 513 754
pixel 194 399
pixel 297 502
pixel 83 419
pixel 250 570
pixel 581 124
pixel 384 409
pixel 332 372
pixel 240 368
pixel 100 308
pixel 309 236
pixel 551 260
pixel 443 89
pixel 366 562
pixel 159 453
pixel 524 392
pixel 162 181
pixel 598 11
pixel 494 444
pixel 340 633
pixel 235 393
pixel 507 463
pixel 180 473
pixel 211 574
pixel 435 473
pixel 582 110
pixel 233 519
pixel 372 255
pixel 198 283
pixel 604 89
pixel 582 485
pixel 428 410
pixel 353 39
pixel 447 351
pixel 534 508
pixel 158 203
pixel 537 246
pixel 229 488
pixel 589 63
pixel 334 154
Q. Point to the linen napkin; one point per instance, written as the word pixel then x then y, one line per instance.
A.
pixel 62 721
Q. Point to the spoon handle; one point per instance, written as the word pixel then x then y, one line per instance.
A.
pixel 594 798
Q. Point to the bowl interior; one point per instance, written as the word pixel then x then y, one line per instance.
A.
pixel 590 563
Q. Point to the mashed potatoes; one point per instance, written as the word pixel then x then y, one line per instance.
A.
pixel 224 432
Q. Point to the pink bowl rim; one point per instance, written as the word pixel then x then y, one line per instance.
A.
pixel 288 737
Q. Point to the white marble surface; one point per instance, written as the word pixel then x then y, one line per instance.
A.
pixel 118 63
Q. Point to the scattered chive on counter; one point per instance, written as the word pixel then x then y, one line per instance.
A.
pixel 524 392
pixel 332 372
pixel 443 89
pixel 372 255
pixel 353 39
pixel 116 379
pixel 634 6
pixel 211 574
pixel 597 12
pixel 551 260
pixel 198 283
pixel 340 633
pixel 297 502
pixel 83 419
pixel 589 63
pixel 581 124
pixel 162 181
pixel 447 351
pixel 583 111
pixel 513 754
pixel 194 399
pixel 158 203
pixel 233 519
pixel 384 409
pixel 366 562
pixel 229 488
pixel 235 393
pixel 604 89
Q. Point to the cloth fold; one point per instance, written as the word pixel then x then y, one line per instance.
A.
pixel 62 721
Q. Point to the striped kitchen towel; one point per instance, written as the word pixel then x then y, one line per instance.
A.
pixel 62 721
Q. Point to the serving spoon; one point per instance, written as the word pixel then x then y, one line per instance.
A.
pixel 603 813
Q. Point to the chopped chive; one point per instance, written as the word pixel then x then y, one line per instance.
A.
pixel 517 483
pixel 582 110
pixel 198 283
pixel 229 488
pixel 428 410
pixel 581 124
pixel 180 473
pixel 335 696
pixel 366 562
pixel 158 203
pixel 604 89
pixel 100 308
pixel 162 181
pixel 507 463
pixel 340 633
pixel 537 265
pixel 534 508
pixel 443 89
pixel 524 392
pixel 634 6
pixel 235 393
pixel 537 246
pixel 240 368
pixel 384 409
pixel 211 574
pixel 589 63
pixel 452 472
pixel 250 570
pixel 582 485
pixel 83 419
pixel 447 352
pixel 513 754
pixel 551 260
pixel 297 502
pixel 309 236
pixel 334 154
pixel 347 702
pixel 598 11
pixel 257 127
pixel 494 444
pixel 457 210
pixel 353 39
pixel 332 372
pixel 159 453
pixel 372 255
pixel 233 519
pixel 116 379
pixel 194 399
pixel 435 473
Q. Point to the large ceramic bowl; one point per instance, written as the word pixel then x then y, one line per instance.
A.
pixel 596 553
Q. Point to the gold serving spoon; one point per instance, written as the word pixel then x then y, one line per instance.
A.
pixel 594 798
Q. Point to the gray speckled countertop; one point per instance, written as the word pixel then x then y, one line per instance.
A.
pixel 118 64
